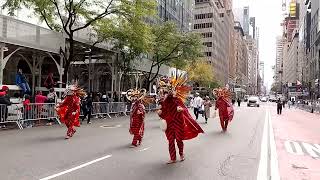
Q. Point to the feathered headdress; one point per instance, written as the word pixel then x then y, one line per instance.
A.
pixel 74 89
pixel 177 85
pixel 222 92
pixel 140 94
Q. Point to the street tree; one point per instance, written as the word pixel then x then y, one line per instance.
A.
pixel 171 47
pixel 201 73
pixel 130 35
pixel 71 16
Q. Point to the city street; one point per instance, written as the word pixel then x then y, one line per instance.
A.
pixel 103 153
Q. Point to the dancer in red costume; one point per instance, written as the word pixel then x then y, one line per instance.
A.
pixel 69 109
pixel 225 107
pixel 137 115
pixel 179 123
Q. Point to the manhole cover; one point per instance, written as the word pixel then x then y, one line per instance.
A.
pixel 111 126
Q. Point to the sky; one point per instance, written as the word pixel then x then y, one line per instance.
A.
pixel 268 15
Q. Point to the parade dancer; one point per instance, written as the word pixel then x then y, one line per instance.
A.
pixel 69 109
pixel 137 115
pixel 225 107
pixel 179 123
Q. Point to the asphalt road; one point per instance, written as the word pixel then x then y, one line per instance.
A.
pixel 97 153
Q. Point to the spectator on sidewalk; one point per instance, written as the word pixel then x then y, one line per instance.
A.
pixel 207 105
pixel 279 106
pixel 4 103
pixel 52 96
pixel 239 102
pixel 49 82
pixel 87 108
pixel 27 113
pixel 197 103
pixel 22 82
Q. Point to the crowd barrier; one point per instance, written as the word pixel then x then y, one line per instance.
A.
pixel 25 116
pixel 315 107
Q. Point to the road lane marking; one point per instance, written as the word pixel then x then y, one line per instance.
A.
pixel 302 148
pixel 293 147
pixel 263 163
pixel 144 149
pixel 76 168
pixel 274 166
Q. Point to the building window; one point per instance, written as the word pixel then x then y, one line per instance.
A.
pixel 203 16
pixel 208 44
pixel 206 35
pixel 202 25
pixel 208 54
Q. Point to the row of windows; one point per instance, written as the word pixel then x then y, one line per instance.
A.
pixel 203 25
pixel 208 44
pixel 201 1
pixel 206 35
pixel 203 16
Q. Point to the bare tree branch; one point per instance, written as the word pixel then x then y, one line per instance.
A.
pixel 43 14
pixel 100 16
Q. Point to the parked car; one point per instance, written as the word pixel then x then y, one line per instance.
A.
pixel 253 101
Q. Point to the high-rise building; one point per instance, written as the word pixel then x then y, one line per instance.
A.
pixel 177 11
pixel 315 48
pixel 242 57
pixel 212 19
pixel 279 59
pixel 246 20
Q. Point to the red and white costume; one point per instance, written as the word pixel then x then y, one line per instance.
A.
pixel 180 125
pixel 69 109
pixel 225 107
pixel 137 122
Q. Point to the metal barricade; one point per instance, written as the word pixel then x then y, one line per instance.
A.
pixel 37 112
pixel 118 108
pixel 11 114
pixel 101 109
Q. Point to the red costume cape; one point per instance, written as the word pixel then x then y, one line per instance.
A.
pixel 69 111
pixel 169 113
pixel 226 110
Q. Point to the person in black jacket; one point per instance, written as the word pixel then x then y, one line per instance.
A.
pixel 279 106
pixel 87 108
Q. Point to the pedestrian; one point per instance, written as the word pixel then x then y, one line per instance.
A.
pixel 87 108
pixel 4 103
pixel 233 101
pixel 52 96
pixel 197 103
pixel 22 82
pixel 239 102
pixel 137 116
pixel 49 82
pixel 207 106
pixel 69 109
pixel 27 112
pixel 289 104
pixel 225 107
pixel 284 103
pixel 179 124
pixel 279 106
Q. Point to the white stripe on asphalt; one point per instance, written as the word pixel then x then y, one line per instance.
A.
pixel 76 168
pixel 263 164
pixel 274 171
pixel 144 149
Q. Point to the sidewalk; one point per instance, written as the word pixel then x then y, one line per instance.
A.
pixel 297 136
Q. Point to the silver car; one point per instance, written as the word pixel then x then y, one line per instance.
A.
pixel 253 101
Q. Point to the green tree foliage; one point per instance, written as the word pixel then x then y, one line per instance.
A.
pixel 201 73
pixel 70 16
pixel 172 47
pixel 131 35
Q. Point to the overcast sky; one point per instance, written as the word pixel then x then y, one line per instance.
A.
pixel 268 15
